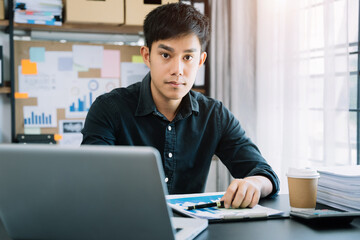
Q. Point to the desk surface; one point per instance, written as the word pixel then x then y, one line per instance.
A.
pixel 270 229
pixel 280 229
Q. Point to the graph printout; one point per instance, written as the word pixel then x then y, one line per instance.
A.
pixel 82 92
pixel 181 202
pixel 39 117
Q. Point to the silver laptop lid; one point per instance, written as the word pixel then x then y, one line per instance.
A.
pixel 89 192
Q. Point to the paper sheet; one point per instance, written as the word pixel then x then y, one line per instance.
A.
pixel 200 77
pixel 28 67
pixel 132 73
pixel 71 132
pixel 40 116
pixel 111 64
pixel 181 202
pixel 88 56
pixel 37 54
pixel 82 92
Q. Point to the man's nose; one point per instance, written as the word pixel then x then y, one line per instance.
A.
pixel 177 67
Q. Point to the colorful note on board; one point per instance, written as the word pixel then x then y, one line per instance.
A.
pixel 111 64
pixel 37 54
pixel 28 67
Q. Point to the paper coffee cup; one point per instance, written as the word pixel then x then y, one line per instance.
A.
pixel 302 185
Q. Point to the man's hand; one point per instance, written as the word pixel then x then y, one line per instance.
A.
pixel 246 192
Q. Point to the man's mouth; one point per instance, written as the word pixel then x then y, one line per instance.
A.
pixel 175 83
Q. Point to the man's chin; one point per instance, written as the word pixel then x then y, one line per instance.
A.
pixel 176 96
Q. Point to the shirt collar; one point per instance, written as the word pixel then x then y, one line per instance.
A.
pixel 146 103
pixel 147 106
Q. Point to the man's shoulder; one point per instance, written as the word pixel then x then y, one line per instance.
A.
pixel 205 101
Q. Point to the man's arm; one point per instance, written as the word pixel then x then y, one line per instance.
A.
pixel 254 178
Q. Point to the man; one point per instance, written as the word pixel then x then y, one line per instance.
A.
pixel 185 126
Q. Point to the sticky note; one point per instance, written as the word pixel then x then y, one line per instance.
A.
pixel 37 54
pixel 28 67
pixel 19 95
pixel 111 64
pixel 65 64
pixel 32 130
pixel 79 68
pixel 137 59
pixel 57 137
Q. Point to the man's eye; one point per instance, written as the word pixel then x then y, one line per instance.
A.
pixel 188 58
pixel 165 55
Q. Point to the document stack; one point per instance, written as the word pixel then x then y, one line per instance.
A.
pixel 339 187
pixel 45 12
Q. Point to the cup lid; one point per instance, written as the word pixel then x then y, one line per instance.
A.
pixel 302 173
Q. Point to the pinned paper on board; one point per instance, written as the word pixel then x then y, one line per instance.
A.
pixel 19 95
pixel 70 130
pixel 65 64
pixel 200 77
pixel 37 116
pixel 137 59
pixel 88 56
pixel 28 67
pixel 32 130
pixel 59 82
pixel 37 54
pixel 132 73
pixel 111 64
pixel 82 92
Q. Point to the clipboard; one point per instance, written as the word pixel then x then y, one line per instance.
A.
pixel 179 203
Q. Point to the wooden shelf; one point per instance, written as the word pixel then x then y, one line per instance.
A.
pixel 4 90
pixel 83 28
pixel 4 23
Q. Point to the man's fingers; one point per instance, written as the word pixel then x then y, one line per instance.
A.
pixel 239 196
pixel 255 199
pixel 241 193
pixel 230 194
pixel 248 198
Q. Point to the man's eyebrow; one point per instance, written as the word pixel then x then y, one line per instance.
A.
pixel 170 49
pixel 191 50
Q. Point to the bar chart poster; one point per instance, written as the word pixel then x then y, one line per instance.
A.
pixel 39 117
pixel 82 93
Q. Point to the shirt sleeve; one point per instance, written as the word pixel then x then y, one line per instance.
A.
pixel 238 153
pixel 99 126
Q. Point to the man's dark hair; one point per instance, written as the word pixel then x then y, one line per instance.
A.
pixel 174 20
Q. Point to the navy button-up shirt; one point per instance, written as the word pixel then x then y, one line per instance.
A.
pixel 202 127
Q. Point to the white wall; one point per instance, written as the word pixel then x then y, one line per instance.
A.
pixel 5 110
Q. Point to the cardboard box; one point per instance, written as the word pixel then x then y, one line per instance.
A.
pixel 136 10
pixel 95 11
pixel 2 11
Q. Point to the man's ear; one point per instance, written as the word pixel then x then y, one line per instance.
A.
pixel 203 56
pixel 145 53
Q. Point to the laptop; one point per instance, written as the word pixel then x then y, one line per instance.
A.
pixel 88 192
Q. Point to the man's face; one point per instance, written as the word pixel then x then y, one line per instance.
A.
pixel 173 65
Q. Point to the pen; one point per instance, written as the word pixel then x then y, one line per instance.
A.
pixel 207 205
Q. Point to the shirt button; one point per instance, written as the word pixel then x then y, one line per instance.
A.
pixel 166 180
pixel 170 155
pixel 169 128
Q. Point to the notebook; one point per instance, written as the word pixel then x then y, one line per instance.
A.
pixel 88 192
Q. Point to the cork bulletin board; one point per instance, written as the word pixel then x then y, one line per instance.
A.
pixel 56 83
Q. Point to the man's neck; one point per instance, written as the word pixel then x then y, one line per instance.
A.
pixel 168 108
